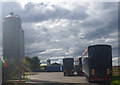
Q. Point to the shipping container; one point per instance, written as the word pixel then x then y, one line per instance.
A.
pixel 97 63
pixel 78 66
pixel 54 68
pixel 68 66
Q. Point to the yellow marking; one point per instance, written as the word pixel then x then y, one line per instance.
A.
pixel 93 72
pixel 108 72
pixel 80 69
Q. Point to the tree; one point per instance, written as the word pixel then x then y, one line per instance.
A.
pixel 32 64
pixel 27 64
pixel 35 63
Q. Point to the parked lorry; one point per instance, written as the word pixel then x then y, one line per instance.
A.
pixel 97 63
pixel 78 66
pixel 68 66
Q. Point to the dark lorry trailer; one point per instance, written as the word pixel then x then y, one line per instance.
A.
pixel 68 66
pixel 98 65
pixel 78 66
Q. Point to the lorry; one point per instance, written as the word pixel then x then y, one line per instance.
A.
pixel 78 66
pixel 68 66
pixel 97 63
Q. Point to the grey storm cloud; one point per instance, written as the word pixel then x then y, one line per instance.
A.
pixel 105 25
pixel 53 31
pixel 40 12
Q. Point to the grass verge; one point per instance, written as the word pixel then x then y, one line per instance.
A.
pixel 115 80
pixel 31 73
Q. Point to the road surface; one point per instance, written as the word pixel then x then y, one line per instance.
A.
pixel 56 77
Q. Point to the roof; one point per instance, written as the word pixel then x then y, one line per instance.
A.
pixel 99 45
pixel 56 63
pixel 12 15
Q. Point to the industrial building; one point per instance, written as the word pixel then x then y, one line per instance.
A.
pixel 54 67
pixel 13 46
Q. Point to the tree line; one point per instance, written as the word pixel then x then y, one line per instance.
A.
pixel 32 64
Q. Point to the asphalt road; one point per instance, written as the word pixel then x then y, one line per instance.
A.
pixel 56 77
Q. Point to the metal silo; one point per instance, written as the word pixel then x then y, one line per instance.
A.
pixel 12 46
pixel 0 70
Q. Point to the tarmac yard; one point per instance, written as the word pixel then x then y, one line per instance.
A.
pixel 53 78
pixel 56 77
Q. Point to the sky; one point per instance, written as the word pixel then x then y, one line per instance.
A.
pixel 55 30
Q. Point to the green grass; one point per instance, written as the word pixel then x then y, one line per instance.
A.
pixel 31 73
pixel 115 80
pixel 115 76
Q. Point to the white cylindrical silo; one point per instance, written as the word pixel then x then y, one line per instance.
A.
pixel 12 42
pixel 0 70
pixel 22 43
pixel 11 36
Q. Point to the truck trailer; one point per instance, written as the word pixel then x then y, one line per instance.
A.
pixel 78 66
pixel 97 63
pixel 68 66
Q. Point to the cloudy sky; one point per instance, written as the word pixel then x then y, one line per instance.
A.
pixel 54 30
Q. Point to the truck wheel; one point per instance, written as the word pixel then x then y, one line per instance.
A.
pixel 64 74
